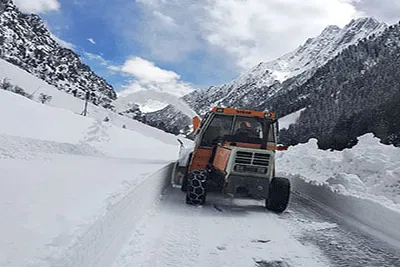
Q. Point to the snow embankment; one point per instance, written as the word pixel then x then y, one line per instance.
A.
pixel 369 169
pixel 71 186
pixel 362 182
pixel 25 118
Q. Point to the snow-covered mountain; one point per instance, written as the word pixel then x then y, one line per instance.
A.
pixel 355 93
pixel 253 88
pixel 26 42
pixel 314 53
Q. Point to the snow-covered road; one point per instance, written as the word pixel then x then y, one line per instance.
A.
pixel 227 232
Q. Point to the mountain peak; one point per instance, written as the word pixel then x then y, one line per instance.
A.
pixel 331 29
pixel 365 23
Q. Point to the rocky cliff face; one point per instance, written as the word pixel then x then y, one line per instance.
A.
pixel 26 42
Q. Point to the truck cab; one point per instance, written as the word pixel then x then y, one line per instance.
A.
pixel 234 154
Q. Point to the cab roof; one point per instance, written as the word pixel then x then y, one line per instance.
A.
pixel 243 112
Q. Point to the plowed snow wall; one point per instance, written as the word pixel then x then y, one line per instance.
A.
pixel 102 242
pixel 383 220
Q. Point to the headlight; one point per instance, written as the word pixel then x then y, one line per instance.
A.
pixel 262 170
pixel 239 168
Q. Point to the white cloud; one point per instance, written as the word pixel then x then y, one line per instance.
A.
pixel 165 19
pixel 37 6
pixel 384 10
pixel 146 76
pixel 258 30
pixel 99 58
pixel 249 31
pixel 147 71
pixel 91 40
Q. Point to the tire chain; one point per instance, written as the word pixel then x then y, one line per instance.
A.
pixel 196 188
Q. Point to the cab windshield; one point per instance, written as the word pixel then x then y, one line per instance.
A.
pixel 236 128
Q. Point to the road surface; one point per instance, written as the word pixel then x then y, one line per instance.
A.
pixel 233 232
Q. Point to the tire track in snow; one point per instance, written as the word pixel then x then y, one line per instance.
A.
pixel 180 238
pixel 235 232
pixel 181 235
pixel 257 238
pixel 172 242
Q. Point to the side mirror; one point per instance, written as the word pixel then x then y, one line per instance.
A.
pixel 196 122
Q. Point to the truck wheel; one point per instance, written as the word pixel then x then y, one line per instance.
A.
pixel 196 187
pixel 279 194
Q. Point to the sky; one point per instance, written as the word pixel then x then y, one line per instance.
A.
pixel 177 46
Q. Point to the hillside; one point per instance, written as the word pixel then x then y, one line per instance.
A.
pixel 356 93
pixel 34 86
pixel 26 42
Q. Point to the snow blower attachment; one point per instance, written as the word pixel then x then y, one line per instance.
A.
pixel 234 154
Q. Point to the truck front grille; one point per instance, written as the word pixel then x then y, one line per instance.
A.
pixel 261 159
pixel 244 157
pixel 251 158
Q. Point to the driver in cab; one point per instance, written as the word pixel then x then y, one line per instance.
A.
pixel 246 129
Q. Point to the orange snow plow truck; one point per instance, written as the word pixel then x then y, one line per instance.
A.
pixel 234 153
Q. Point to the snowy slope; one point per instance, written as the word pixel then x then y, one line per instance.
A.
pixel 62 100
pixel 61 172
pixel 26 42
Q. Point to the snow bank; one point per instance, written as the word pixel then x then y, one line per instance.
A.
pixel 48 205
pixel 369 169
pixel 362 183
pixel 367 214
pixel 71 186
pixel 22 117
pixel 100 243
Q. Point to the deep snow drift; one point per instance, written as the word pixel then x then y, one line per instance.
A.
pixel 61 172
pixel 369 170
